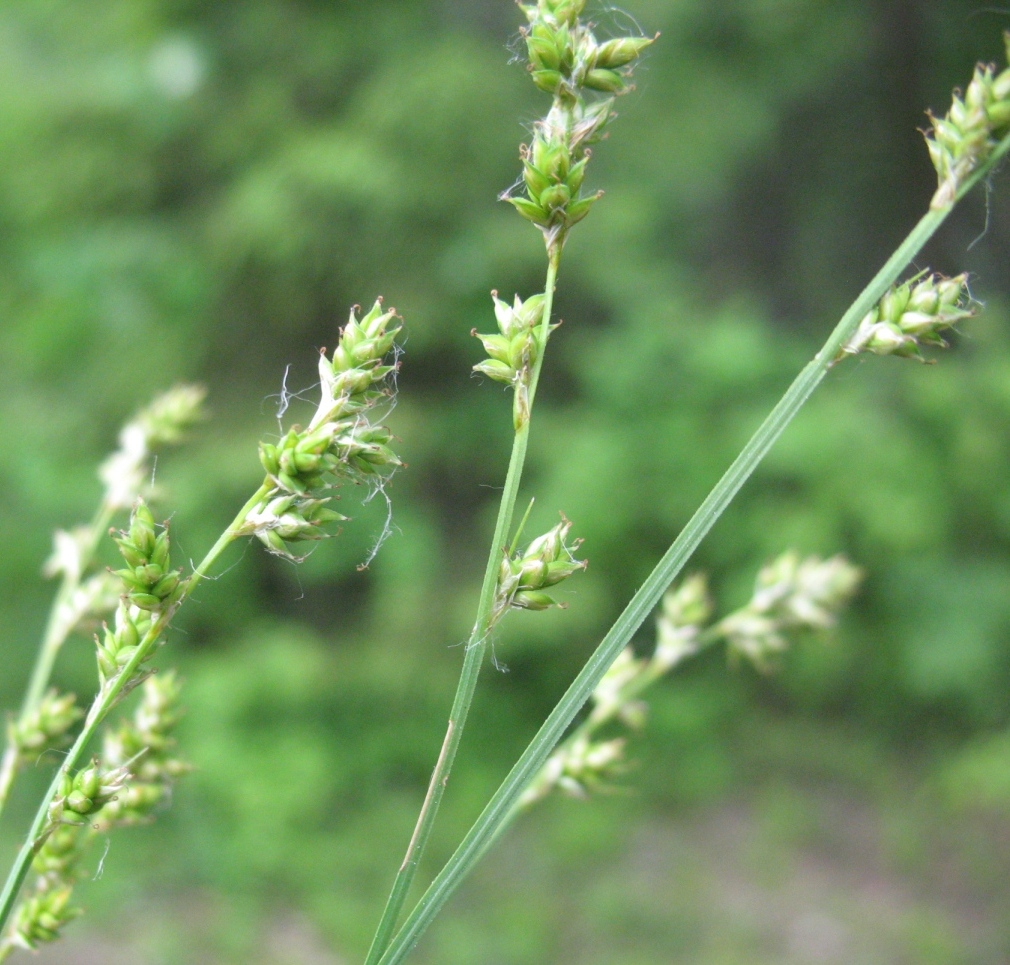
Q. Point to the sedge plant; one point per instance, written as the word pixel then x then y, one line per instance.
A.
pixel 128 774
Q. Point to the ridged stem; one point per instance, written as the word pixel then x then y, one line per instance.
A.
pixel 475 649
pixel 483 832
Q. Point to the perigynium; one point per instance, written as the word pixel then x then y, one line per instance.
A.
pixel 129 776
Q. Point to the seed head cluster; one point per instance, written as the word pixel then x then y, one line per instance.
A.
pixel 791 596
pixel 164 422
pixel 127 784
pixel 584 76
pixel 911 315
pixel 45 727
pixel 342 442
pixel 524 578
pixel 515 349
pixel 960 142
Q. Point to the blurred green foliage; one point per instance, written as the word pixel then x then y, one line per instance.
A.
pixel 200 191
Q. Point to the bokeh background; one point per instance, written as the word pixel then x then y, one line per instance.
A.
pixel 199 191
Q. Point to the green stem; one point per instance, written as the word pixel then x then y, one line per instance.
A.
pixel 589 726
pixel 595 720
pixel 53 638
pixel 103 703
pixel 226 537
pixel 474 655
pixel 8 771
pixel 480 836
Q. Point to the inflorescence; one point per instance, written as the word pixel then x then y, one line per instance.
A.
pixel 567 61
pixel 126 785
pixel 584 75
pixel 112 789
pixel 791 596
pixel 962 141
pixel 523 578
pixel 133 777
pixel 341 443
pixel 911 315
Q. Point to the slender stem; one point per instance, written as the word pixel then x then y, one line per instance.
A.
pixel 226 538
pixel 593 722
pixel 103 703
pixel 55 635
pixel 475 648
pixel 8 771
pixel 652 672
pixel 485 829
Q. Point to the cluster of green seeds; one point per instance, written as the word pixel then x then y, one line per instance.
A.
pixel 149 581
pixel 911 315
pixel 127 785
pixel 341 443
pixel 144 744
pixel 567 61
pixel 524 577
pixel 118 644
pixel 85 793
pixel 41 916
pixel 45 728
pixel 515 349
pixel 960 142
